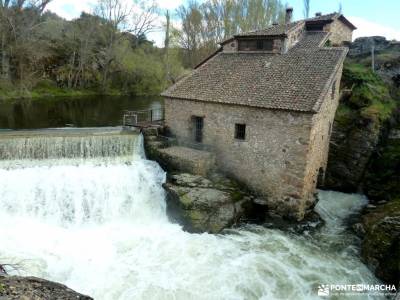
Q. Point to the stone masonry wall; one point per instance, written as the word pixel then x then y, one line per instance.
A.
pixel 339 32
pixel 294 36
pixel 231 46
pixel 271 160
pixel 320 136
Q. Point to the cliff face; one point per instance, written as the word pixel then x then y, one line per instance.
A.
pixel 365 149
pixel 366 112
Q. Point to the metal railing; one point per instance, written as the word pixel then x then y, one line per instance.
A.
pixel 142 118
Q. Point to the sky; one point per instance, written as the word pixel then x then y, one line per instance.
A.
pixel 371 17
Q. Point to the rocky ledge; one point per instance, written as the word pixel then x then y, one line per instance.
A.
pixel 32 288
pixel 206 205
pixel 380 228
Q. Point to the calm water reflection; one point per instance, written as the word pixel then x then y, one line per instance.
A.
pixel 80 112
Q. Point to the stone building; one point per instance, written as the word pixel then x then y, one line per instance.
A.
pixel 265 103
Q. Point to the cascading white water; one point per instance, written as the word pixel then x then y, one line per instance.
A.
pixel 100 227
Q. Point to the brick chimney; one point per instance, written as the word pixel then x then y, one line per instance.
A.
pixel 318 14
pixel 288 16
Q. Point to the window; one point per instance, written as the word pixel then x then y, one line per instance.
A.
pixel 268 45
pixel 240 131
pixel 315 27
pixel 256 45
pixel 248 45
pixel 260 44
pixel 198 123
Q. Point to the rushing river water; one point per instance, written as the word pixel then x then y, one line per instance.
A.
pixel 99 226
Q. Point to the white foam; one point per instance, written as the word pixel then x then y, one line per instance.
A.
pixel 101 229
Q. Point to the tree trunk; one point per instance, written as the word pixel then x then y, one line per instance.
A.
pixel 5 62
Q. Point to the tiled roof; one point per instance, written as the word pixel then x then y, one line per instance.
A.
pixel 331 17
pixel 297 80
pixel 327 17
pixel 278 29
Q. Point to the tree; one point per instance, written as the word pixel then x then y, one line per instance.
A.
pixel 114 15
pixel 306 9
pixel 143 18
pixel 21 48
pixel 205 25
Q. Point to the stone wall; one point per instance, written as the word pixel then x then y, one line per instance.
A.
pixel 271 160
pixel 339 32
pixel 320 137
pixel 230 46
pixel 294 36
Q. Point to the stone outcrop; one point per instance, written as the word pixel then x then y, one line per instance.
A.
pixel 381 244
pixel 203 205
pixel 32 288
pixel 363 45
pixel 174 158
pixel 352 145
pixel 367 106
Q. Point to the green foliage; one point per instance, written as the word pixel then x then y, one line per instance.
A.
pixel 344 115
pixel 91 54
pixel 370 98
pixel 383 176
pixel 206 24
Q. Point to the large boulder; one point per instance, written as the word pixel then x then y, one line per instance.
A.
pixel 381 244
pixel 203 205
pixel 363 45
pixel 32 288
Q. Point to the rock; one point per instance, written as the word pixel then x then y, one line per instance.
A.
pixel 32 288
pixel 381 245
pixel 363 45
pixel 203 205
pixel 359 229
pixel 361 122
pixel 174 158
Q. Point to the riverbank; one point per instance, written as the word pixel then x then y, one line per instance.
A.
pixel 12 94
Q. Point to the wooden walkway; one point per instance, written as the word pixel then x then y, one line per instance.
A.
pixel 144 118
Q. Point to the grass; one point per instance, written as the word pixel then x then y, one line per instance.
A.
pixel 47 89
pixel 370 98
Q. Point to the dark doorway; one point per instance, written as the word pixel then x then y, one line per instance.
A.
pixel 321 177
pixel 198 123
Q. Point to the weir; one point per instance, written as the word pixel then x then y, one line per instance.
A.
pixel 76 221
pixel 67 143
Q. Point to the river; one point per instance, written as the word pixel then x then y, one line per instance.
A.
pixel 86 111
pixel 99 225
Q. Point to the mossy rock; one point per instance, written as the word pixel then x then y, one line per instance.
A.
pixel 205 205
pixel 381 244
pixel 383 175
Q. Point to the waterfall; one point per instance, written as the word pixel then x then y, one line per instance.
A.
pixel 100 227
pixel 65 144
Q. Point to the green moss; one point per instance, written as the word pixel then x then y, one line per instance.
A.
pixel 344 115
pixel 186 200
pixel 381 246
pixel 382 177
pixel 370 98
pixel 358 74
pixel 236 196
